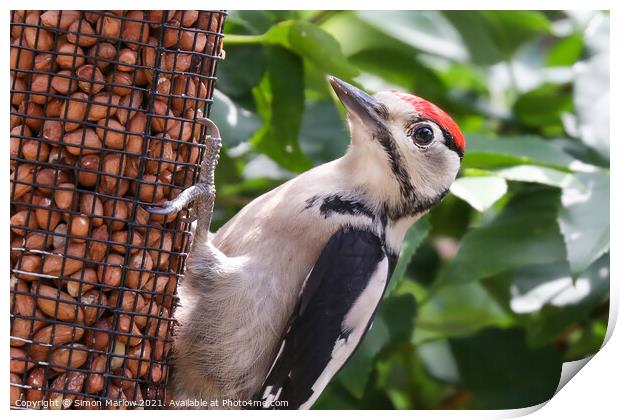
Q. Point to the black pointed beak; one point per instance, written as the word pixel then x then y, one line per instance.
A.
pixel 359 103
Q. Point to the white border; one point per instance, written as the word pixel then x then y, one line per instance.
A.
pixel 592 395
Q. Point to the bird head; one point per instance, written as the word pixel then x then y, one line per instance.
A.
pixel 412 149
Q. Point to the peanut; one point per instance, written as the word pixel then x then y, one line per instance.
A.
pixel 70 56
pixel 70 357
pixel 65 195
pixel 63 83
pixel 133 100
pixel 140 264
pixel 21 59
pixel 97 248
pixel 122 237
pixel 74 110
pixel 110 273
pixel 56 264
pixel 78 228
pixel 55 335
pixel 36 381
pixel 94 301
pixel 120 82
pixel 90 79
pixel 68 385
pixel 110 133
pixel 37 38
pixel 95 380
pixel 16 391
pixel 104 105
pixel 87 175
pixel 60 305
pixel 109 26
pixel 61 19
pixel 22 179
pixel 84 281
pixel 49 177
pixel 128 58
pixel 46 218
pixel 134 32
pixel 92 206
pixel 83 140
pixel 101 55
pixel 118 211
pixel 41 83
pixel 80 33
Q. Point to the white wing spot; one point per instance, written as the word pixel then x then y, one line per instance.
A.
pixel 270 397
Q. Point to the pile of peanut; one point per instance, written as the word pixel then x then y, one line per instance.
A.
pixel 103 110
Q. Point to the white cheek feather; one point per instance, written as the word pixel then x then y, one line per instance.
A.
pixel 356 322
pixel 432 170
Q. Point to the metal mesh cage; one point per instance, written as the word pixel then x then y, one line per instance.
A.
pixel 103 122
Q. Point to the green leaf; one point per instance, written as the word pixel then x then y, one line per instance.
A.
pixel 336 397
pixel 525 232
pixel 312 43
pixel 242 70
pixel 584 220
pixel 495 35
pixel 551 302
pixel 587 342
pixel 399 313
pixel 355 373
pixel 236 124
pixel 476 36
pixel 539 175
pixel 566 52
pixel 324 135
pixel 414 237
pixel 280 101
pixel 438 360
pixel 427 31
pixel 451 217
pixel 489 152
pixel 543 106
pixel 457 310
pixel 252 21
pixel 479 191
pixel 502 372
pixel 403 70
pixel 404 378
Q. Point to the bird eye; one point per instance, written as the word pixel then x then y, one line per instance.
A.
pixel 423 135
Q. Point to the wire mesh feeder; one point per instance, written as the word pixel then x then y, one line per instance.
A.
pixel 103 122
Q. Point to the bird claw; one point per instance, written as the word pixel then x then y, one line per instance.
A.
pixel 163 209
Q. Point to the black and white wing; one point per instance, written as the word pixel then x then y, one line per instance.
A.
pixel 336 305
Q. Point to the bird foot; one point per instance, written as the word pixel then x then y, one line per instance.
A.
pixel 204 190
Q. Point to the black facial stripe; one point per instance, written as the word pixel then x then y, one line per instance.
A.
pixel 413 206
pixel 396 161
pixel 450 143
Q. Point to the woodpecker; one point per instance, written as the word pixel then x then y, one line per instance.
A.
pixel 275 302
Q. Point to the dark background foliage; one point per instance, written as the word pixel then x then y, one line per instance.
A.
pixel 509 276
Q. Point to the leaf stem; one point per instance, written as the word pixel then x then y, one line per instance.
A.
pixel 234 39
